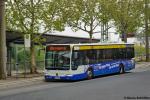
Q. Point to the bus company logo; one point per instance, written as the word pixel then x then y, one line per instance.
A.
pixel 103 66
pixel 114 65
pixel 110 66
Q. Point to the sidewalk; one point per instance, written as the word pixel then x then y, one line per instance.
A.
pixel 141 66
pixel 14 82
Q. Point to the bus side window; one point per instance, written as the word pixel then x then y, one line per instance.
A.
pixel 120 55
pixel 108 54
pixel 91 55
pixel 78 58
pixel 100 55
pixel 75 55
pixel 75 59
pixel 114 54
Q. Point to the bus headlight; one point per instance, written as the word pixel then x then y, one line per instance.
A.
pixel 133 61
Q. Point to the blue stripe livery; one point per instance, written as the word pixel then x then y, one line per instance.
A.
pixel 103 68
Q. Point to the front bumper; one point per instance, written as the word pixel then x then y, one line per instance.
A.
pixel 48 77
pixel 67 77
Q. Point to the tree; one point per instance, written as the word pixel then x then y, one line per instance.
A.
pixel 126 15
pixel 85 15
pixel 106 20
pixel 29 17
pixel 2 41
pixel 52 15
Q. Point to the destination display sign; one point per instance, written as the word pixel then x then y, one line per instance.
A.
pixel 57 48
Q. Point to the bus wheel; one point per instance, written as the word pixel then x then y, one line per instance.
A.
pixel 89 74
pixel 121 69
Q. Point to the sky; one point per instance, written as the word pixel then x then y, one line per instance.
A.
pixel 112 36
pixel 68 32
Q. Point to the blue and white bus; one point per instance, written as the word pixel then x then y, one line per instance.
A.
pixel 85 61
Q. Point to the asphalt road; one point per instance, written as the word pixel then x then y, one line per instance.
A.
pixel 129 86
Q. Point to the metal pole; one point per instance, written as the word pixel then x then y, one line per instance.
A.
pixel 25 71
pixel 8 60
pixel 16 65
pixel 2 41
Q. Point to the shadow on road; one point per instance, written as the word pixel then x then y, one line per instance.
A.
pixel 101 76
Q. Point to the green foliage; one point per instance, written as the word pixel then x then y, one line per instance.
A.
pixel 127 15
pixel 42 16
pixel 33 17
pixel 89 15
pixel 52 15
pixel 21 56
pixel 139 50
pixel 85 15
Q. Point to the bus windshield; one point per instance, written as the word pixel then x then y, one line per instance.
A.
pixel 57 60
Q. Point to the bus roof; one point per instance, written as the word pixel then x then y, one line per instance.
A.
pixel 80 44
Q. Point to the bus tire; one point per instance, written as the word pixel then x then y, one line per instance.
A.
pixel 121 69
pixel 89 74
pixel 46 80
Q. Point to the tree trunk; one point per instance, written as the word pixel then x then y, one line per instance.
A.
pixel 124 36
pixel 2 41
pixel 146 31
pixel 33 69
pixel 90 34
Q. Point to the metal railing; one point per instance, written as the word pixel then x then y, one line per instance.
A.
pixel 22 69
